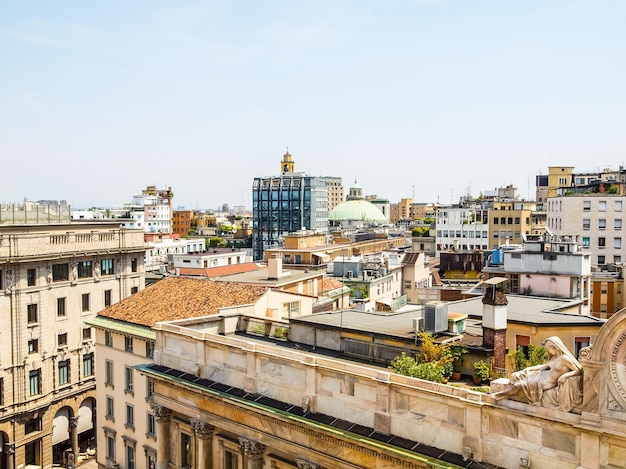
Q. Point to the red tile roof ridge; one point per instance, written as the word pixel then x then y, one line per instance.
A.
pixel 181 298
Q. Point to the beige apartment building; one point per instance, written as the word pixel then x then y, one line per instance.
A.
pixel 597 218
pixel 125 339
pixel 509 221
pixel 53 277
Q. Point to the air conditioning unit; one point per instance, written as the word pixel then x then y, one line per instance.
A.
pixel 418 324
pixel 435 317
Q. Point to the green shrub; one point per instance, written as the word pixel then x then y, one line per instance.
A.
pixel 281 332
pixel 536 356
pixel 481 370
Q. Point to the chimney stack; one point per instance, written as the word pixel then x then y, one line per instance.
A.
pixel 275 268
pixel 495 320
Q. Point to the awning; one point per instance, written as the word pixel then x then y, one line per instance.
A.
pixel 61 426
pixel 323 257
pixel 85 417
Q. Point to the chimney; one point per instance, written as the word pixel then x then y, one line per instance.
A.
pixel 275 268
pixel 495 320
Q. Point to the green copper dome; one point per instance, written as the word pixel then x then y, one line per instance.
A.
pixel 357 210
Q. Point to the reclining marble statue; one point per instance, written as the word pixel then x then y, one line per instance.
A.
pixel 556 384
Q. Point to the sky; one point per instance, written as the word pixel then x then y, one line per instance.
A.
pixel 429 99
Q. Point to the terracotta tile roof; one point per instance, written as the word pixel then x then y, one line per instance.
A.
pixel 329 284
pixel 181 298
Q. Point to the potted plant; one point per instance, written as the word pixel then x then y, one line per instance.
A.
pixel 456 352
pixel 481 372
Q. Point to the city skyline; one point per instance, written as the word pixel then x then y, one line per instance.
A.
pixel 422 98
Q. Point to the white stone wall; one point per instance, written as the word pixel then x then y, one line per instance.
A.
pixel 446 417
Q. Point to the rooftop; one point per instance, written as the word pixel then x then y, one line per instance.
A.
pixel 181 298
pixel 221 270
pixel 261 277
pixel 521 310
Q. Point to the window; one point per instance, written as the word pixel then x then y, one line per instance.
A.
pixel 33 315
pixel 601 242
pixel 150 425
pixel 130 456
pixel 110 411
pixel 33 346
pixel 107 298
pixel 62 339
pixel 602 223
pixel 185 451
pixel 133 264
pixel 33 425
pixel 618 205
pixel 86 333
pixel 61 307
pixel 130 415
pixel 85 301
pixel 586 205
pixel 128 344
pixel 64 372
pixel 149 349
pixel 1 391
pixel 88 364
pixel 134 290
pixel 586 224
pixel 60 272
pixel 586 242
pixel 106 266
pixel 108 338
pixel 601 260
pixel 617 243
pixel 128 379
pixel 231 460
pixel 618 223
pixel 31 277
pixel 521 343
pixel 617 260
pixel 34 378
pixel 110 447
pixel 579 344
pixel 84 269
pixel 291 309
pixel 602 206
pixel 108 372
pixel 32 454
pixel 149 388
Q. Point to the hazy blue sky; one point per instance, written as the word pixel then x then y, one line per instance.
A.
pixel 100 99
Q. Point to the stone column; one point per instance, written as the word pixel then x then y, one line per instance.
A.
pixel 74 437
pixel 204 435
pixel 9 449
pixel 253 453
pixel 162 416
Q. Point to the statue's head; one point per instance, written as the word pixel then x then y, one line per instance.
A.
pixel 552 348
